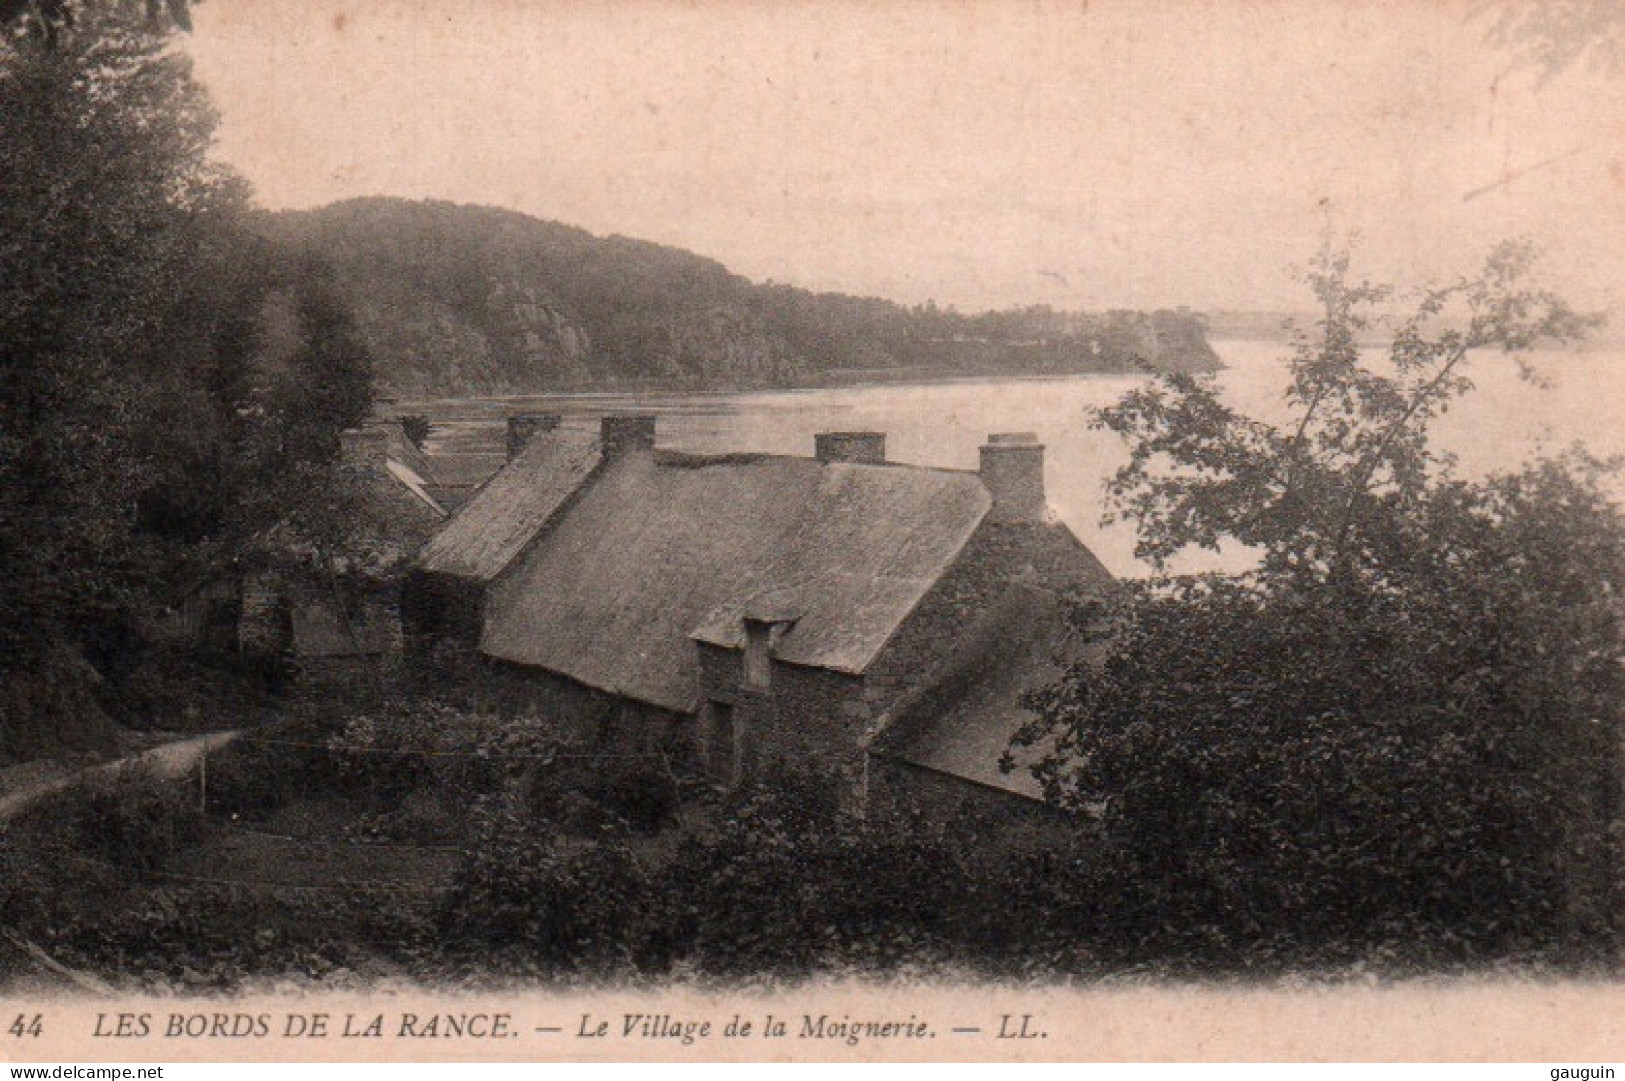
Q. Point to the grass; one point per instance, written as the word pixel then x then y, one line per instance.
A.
pixel 255 858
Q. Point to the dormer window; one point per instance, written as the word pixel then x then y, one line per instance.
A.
pixel 758 658
pixel 768 617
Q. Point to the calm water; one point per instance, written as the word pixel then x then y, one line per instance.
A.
pixel 1501 424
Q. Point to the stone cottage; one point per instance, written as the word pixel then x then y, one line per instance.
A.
pixel 333 610
pixel 545 467
pixel 740 608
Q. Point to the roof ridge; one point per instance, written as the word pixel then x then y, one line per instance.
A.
pixel 693 545
pixel 513 506
pixel 696 459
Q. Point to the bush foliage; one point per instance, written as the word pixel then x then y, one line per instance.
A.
pixel 1402 729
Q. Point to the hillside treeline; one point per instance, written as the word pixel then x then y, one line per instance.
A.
pixel 171 383
pixel 465 299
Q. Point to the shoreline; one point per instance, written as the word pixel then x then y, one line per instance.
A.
pixel 404 402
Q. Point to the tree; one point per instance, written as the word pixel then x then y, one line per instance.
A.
pixel 48 21
pixel 1403 724
pixel 140 372
pixel 1553 36
pixel 107 199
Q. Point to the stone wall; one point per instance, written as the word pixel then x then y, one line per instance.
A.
pixel 439 607
pixel 595 719
pixel 263 628
pixel 998 554
pixel 803 715
pixel 720 672
pixel 829 717
pixel 815 715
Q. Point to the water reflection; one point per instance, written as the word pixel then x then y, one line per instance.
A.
pixel 943 424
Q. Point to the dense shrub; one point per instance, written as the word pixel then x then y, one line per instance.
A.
pixel 226 939
pixel 788 883
pixel 1285 809
pixel 262 770
pixel 165 687
pixel 383 756
pixel 774 881
pixel 129 818
pixel 641 793
pixel 34 876
pixel 1398 733
pixel 542 904
pixel 251 780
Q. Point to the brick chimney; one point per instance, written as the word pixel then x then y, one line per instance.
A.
pixel 867 448
pixel 364 448
pixel 522 426
pixel 1013 473
pixel 621 433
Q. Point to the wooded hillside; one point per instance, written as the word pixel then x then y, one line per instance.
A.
pixel 467 299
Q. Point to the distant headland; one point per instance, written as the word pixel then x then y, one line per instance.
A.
pixel 459 299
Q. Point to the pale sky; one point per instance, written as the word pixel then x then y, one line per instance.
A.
pixel 1136 154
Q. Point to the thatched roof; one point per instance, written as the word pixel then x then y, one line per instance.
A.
pixel 663 549
pixel 494 526
pixel 462 470
pixel 462 454
pixel 414 483
pixel 409 454
pixel 393 517
pixel 961 719
pixel 380 511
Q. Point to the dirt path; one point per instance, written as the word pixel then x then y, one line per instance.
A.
pixel 167 760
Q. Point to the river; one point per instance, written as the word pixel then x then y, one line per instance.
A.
pixel 1503 422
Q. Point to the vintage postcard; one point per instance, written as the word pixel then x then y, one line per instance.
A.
pixel 705 530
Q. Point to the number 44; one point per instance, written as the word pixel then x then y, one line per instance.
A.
pixel 26 1026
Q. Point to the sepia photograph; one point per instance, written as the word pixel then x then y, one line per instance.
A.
pixel 859 529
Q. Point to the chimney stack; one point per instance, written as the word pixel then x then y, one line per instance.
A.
pixel 1013 473
pixel 866 448
pixel 364 448
pixel 523 426
pixel 623 432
